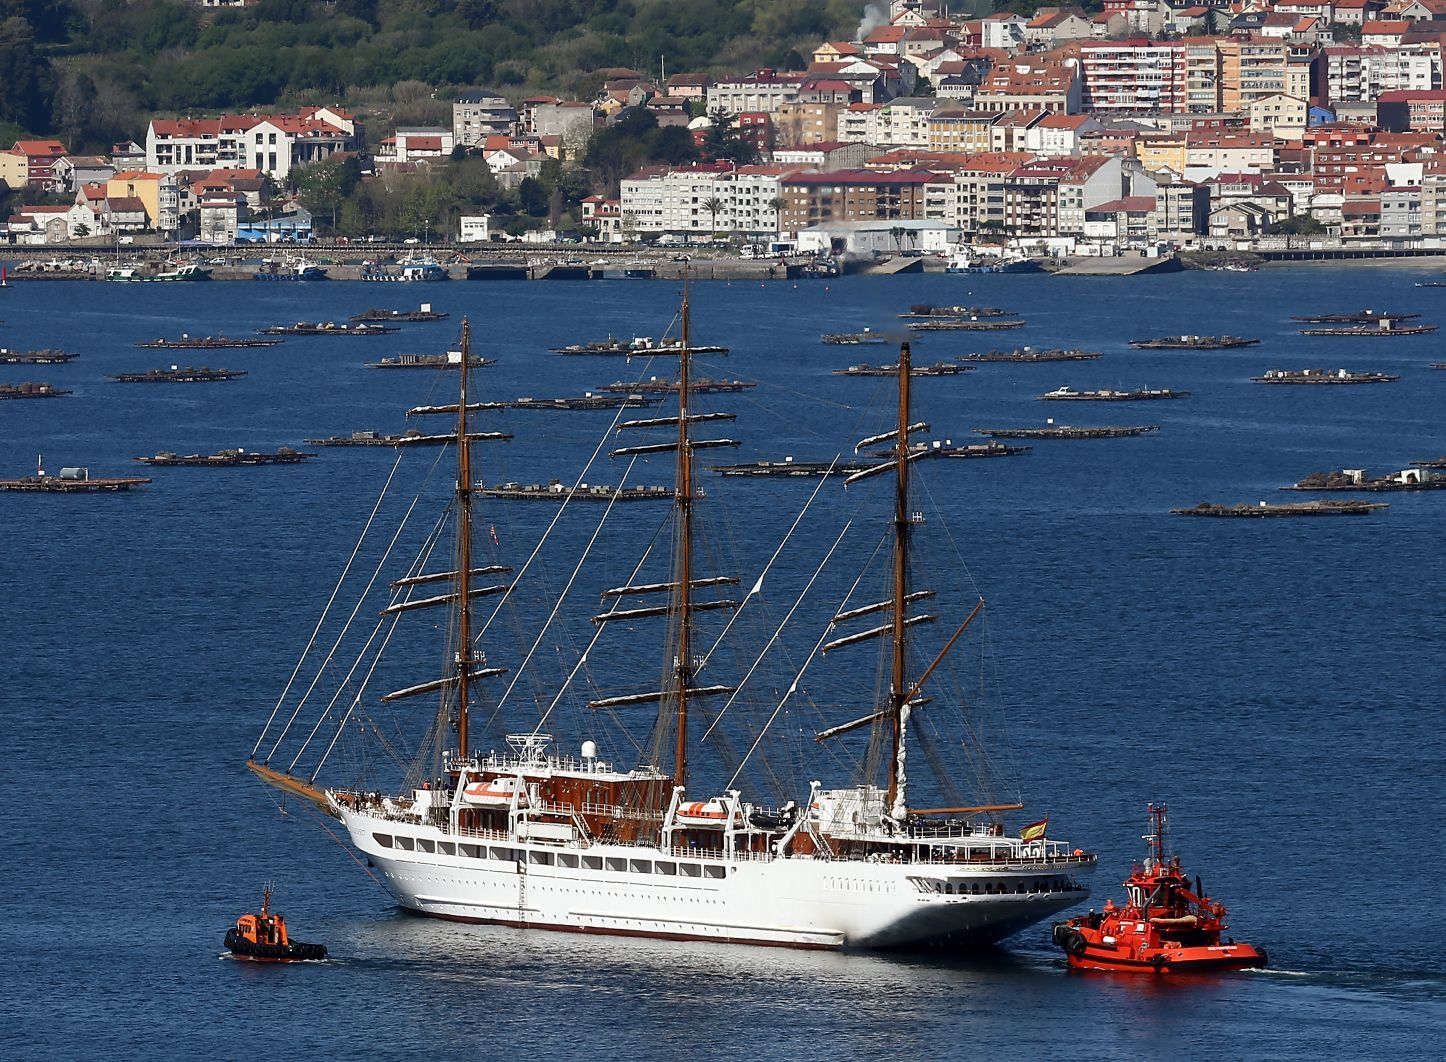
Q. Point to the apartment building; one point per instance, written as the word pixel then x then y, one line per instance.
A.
pixel 851 195
pixel 1134 77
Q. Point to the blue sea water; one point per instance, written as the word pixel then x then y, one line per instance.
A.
pixel 1279 683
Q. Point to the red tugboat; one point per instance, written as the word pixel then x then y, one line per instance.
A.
pixel 263 937
pixel 1163 928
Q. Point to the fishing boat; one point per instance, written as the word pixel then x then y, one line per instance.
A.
pixel 189 342
pixel 1164 926
pixel 290 269
pixel 264 938
pixel 136 274
pixel 406 271
pixel 963 263
pixel 526 834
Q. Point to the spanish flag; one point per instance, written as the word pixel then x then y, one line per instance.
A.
pixel 1035 830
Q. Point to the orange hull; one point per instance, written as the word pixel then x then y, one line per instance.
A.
pixel 1203 959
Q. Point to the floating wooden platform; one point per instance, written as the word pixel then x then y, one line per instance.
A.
pixel 558 491
pixel 1359 317
pixel 588 401
pixel 34 357
pixel 206 343
pixel 429 361
pixel 1065 431
pixel 866 338
pixel 31 390
pixel 1310 508
pixel 226 458
pixel 1417 478
pixel 327 328
pixel 1029 354
pixel 983 325
pixel 655 386
pixel 426 313
pixel 1383 327
pixel 931 313
pixel 1144 394
pixel 176 374
pixel 1325 377
pixel 1193 343
pixel 72 481
pixel 944 368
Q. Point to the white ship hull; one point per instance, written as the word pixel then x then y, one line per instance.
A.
pixel 799 902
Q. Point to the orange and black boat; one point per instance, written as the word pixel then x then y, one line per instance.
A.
pixel 263 937
pixel 1164 926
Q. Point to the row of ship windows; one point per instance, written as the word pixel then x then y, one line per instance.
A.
pixel 568 860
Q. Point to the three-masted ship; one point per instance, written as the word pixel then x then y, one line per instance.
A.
pixel 528 835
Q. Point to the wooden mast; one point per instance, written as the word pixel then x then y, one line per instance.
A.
pixel 684 669
pixel 898 682
pixel 464 546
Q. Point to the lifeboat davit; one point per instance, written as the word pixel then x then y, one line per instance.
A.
pixel 492 792
pixel 263 938
pixel 1164 927
pixel 702 813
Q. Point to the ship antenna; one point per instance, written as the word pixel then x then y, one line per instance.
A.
pixel 684 501
pixel 898 682
pixel 1156 837
pixel 464 544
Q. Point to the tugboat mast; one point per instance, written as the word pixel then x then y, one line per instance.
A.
pixel 464 546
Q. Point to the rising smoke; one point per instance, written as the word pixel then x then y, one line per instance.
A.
pixel 875 15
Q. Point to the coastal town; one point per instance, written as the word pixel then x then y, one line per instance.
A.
pixel 1144 128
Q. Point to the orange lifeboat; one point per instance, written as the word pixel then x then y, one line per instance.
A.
pixel 492 792
pixel 263 938
pixel 703 813
pixel 1164 927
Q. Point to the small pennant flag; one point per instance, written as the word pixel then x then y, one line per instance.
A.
pixel 1034 831
pixel 493 532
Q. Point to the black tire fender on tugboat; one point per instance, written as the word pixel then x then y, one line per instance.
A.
pixel 1070 939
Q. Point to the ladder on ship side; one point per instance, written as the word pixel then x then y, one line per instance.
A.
pixel 522 889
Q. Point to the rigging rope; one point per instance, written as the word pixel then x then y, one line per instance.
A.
pixel 326 611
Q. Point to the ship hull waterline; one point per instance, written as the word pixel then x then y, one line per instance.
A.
pixel 800 903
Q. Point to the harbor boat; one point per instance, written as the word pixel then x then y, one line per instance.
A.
pixel 1359 317
pixel 962 263
pixel 1030 354
pixel 1143 394
pixel 1164 927
pixel 1381 326
pixel 1323 376
pixel 70 480
pixel 818 269
pixel 1263 510
pixel 637 346
pixel 957 324
pixel 866 338
pixel 136 274
pixel 428 361
pixel 655 386
pixel 789 468
pixel 290 269
pixel 425 313
pixel 1438 365
pixel 667 845
pixel 925 312
pixel 406 271
pixel 177 374
pixel 34 357
pixel 586 401
pixel 1065 431
pixel 264 938
pixel 943 368
pixel 1358 480
pixel 32 390
pixel 1193 343
pixel 328 328
pixel 555 490
pixel 188 342
pixel 284 455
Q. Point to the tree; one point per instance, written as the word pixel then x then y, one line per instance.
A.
pixel 714 206
pixel 323 186
pixel 22 99
pixel 532 197
pixel 723 142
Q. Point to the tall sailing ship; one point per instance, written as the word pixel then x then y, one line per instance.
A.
pixel 528 835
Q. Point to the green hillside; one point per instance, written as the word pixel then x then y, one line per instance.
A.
pixel 93 71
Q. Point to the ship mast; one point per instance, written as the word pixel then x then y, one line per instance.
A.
pixel 898 679
pixel 464 545
pixel 684 501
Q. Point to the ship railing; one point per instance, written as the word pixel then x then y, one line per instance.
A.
pixel 620 811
